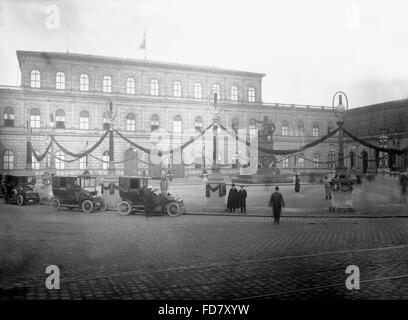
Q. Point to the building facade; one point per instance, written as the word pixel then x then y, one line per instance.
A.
pixel 384 125
pixel 72 90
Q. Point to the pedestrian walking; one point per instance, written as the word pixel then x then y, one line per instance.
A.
pixel 297 182
pixel 277 203
pixel 403 180
pixel 327 191
pixel 242 195
pixel 232 202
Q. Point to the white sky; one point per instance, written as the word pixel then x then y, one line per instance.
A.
pixel 308 49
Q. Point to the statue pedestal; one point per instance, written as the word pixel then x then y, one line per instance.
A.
pixel 341 193
pixel 264 176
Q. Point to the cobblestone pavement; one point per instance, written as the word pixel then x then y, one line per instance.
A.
pixel 105 255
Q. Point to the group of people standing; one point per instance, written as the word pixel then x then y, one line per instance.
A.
pixel 236 199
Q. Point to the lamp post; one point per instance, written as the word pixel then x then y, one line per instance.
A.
pixel 341 184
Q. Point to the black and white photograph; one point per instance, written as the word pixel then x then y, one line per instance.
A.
pixel 221 152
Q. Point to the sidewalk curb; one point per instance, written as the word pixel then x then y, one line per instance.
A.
pixel 295 216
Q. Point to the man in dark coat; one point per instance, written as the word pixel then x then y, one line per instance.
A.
pixel 242 195
pixel 277 204
pixel 232 202
pixel 297 182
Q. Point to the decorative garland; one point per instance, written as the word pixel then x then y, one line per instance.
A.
pixel 84 153
pixel 284 152
pixel 39 157
pixel 111 187
pixel 372 146
pixel 220 186
pixel 160 153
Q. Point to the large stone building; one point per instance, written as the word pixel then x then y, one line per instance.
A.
pixel 147 95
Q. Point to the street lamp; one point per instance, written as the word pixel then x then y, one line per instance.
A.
pixel 341 184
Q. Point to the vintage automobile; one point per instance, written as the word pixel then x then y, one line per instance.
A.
pixel 76 192
pixel 19 190
pixel 136 196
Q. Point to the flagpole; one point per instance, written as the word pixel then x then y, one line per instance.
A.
pixel 145 40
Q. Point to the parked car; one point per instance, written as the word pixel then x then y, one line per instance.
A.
pixel 19 190
pixel 137 196
pixel 76 192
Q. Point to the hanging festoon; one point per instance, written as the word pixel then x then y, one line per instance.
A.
pixel 220 187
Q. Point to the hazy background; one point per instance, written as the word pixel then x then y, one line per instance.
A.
pixel 308 49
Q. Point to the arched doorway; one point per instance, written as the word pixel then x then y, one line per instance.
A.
pixel 364 156
pixel 352 159
pixel 131 166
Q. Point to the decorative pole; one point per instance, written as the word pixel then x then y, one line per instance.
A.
pixel 29 159
pixel 111 116
pixel 342 185
pixel 52 157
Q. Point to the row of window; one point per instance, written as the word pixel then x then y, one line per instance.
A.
pixel 35 122
pixel 8 161
pixel 130 86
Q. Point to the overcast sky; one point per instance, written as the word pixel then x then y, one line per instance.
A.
pixel 308 49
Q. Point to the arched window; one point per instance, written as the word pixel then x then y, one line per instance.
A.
pixel 235 124
pixel 84 120
pixel 234 93
pixel 8 160
pixel 177 124
pixel 105 122
pixel 131 122
pixel 59 160
pixel 301 128
pixel 83 163
pixel 105 158
pixel 35 79
pixel 60 80
pixel 35 118
pixel 177 88
pixel 154 87
pixel 8 116
pixel 251 94
pixel 84 82
pixel 316 160
pixel 197 90
pixel 154 122
pixel 216 92
pixel 130 85
pixel 198 123
pixel 315 129
pixel 107 84
pixel 60 119
pixel 35 163
pixel 285 128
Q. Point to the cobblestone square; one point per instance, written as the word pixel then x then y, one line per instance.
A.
pixel 108 256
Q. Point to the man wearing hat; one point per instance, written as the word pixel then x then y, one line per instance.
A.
pixel 232 202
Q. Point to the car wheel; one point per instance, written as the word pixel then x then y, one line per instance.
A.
pixel 173 209
pixel 87 206
pixel 124 208
pixel 20 200
pixel 55 204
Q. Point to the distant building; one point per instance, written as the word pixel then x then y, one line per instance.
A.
pixel 384 124
pixel 148 95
